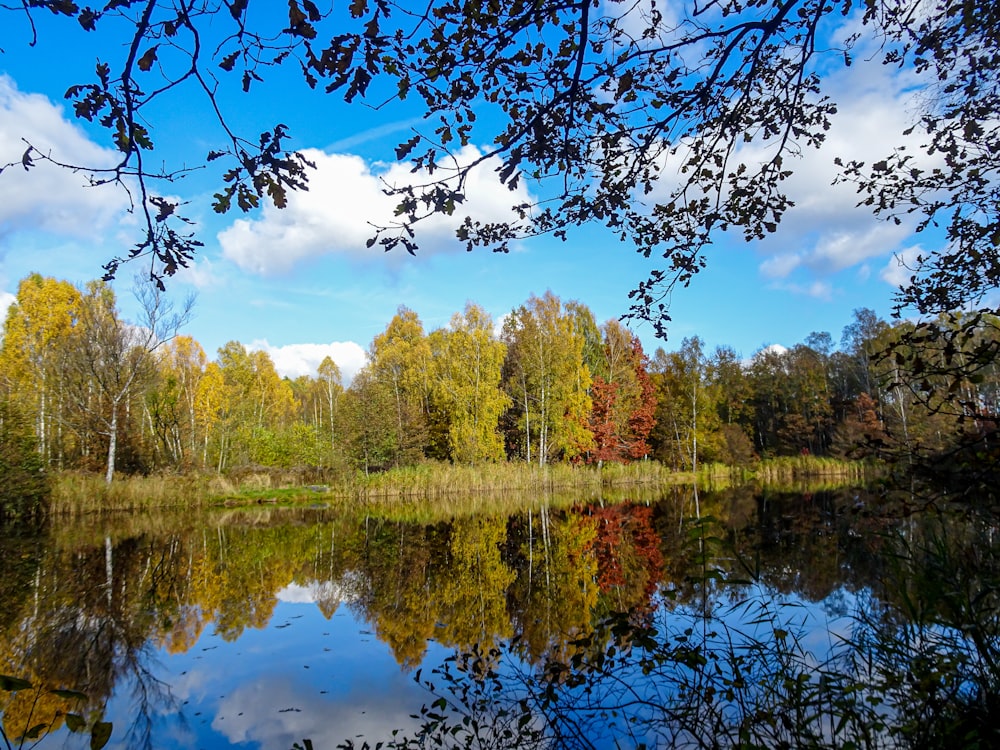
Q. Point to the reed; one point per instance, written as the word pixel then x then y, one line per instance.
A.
pixel 786 468
pixel 76 493
pixel 438 479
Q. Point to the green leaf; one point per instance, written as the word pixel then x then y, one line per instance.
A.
pixel 75 722
pixel 100 734
pixel 13 683
pixel 35 731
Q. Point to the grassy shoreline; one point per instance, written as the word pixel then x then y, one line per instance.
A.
pixel 77 493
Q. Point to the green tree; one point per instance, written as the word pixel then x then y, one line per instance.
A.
pixel 243 403
pixel 547 380
pixel 370 424
pixel 110 359
pixel 25 488
pixel 734 406
pixel 687 413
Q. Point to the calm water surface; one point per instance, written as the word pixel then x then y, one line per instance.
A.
pixel 262 628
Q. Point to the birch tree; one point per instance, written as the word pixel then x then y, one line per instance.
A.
pixel 548 381
pixel 110 357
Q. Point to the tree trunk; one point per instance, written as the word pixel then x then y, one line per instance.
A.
pixel 112 444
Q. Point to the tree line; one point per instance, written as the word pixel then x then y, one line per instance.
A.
pixel 550 384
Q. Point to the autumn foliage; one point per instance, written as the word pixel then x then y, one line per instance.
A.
pixel 551 386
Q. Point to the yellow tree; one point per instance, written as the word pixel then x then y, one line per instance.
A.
pixel 548 380
pixel 170 403
pixel 472 597
pixel 211 408
pixel 468 363
pixel 400 358
pixel 332 389
pixel 35 334
pixel 250 404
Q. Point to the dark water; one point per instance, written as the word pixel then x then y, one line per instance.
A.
pixel 264 629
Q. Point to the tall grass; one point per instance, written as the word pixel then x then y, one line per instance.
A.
pixel 790 472
pixel 76 493
pixel 443 483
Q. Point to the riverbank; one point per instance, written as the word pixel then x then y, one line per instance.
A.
pixel 77 493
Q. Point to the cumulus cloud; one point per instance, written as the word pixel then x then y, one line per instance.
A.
pixel 344 202
pixel 295 360
pixel 47 197
pixel 827 229
pixel 899 269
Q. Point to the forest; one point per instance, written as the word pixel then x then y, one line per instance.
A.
pixel 82 388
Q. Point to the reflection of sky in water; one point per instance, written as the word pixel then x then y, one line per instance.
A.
pixel 301 676
pixel 743 621
pixel 332 680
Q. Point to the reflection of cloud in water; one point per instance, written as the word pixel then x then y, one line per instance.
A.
pixel 344 590
pixel 193 684
pixel 278 713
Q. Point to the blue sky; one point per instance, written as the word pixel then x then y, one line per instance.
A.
pixel 300 283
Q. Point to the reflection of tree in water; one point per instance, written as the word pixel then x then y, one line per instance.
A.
pixel 87 626
pixel 812 544
pixel 630 562
pixel 397 568
pixel 554 593
pixel 472 595
pixel 537 583
pixel 919 668
pixel 447 582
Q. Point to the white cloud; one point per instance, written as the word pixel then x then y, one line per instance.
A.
pixel 199 273
pixel 6 300
pixel 277 712
pixel 779 266
pixel 47 197
pixel 899 269
pixel 294 360
pixel 344 202
pixel 314 592
pixel 827 228
pixel 816 289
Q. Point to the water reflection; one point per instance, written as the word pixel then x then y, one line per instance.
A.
pixel 265 628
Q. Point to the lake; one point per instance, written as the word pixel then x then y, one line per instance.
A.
pixel 687 621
